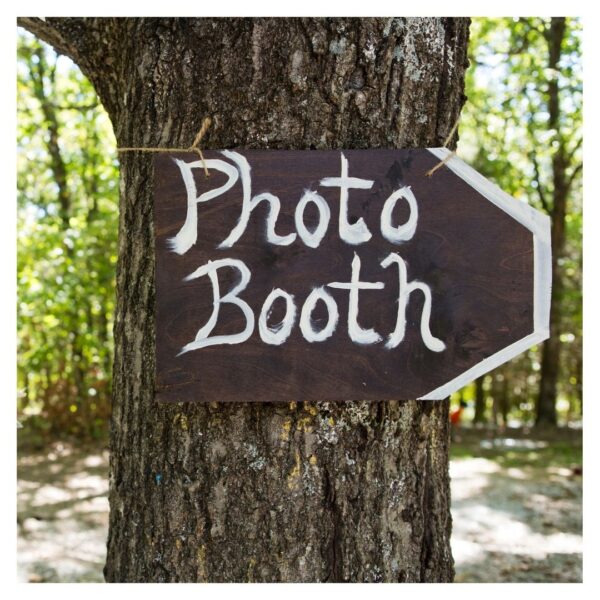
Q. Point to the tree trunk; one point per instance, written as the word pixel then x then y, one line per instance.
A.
pixel 479 416
pixel 505 399
pixel 500 397
pixel 546 404
pixel 255 492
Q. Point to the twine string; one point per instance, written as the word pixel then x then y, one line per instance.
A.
pixel 207 122
pixel 193 148
pixel 450 155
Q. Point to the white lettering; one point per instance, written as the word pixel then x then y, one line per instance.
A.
pixel 202 337
pixel 306 325
pixel 356 332
pixel 355 233
pixel 312 239
pixel 188 234
pixel 406 289
pixel 402 233
pixel 277 334
pixel 249 204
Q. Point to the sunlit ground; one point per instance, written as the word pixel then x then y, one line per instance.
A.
pixel 62 515
pixel 516 510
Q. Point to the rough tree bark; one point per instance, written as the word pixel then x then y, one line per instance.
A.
pixel 255 492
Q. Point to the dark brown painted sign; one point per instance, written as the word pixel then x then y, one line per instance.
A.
pixel 339 275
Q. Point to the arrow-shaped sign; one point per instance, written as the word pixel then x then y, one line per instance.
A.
pixel 340 275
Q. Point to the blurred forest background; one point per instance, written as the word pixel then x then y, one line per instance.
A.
pixel 521 127
pixel 516 448
pixel 67 246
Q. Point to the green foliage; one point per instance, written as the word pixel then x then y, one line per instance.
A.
pixel 68 216
pixel 544 453
pixel 509 133
pixel 67 243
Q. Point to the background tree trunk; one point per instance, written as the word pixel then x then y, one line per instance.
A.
pixel 479 416
pixel 255 492
pixel 561 184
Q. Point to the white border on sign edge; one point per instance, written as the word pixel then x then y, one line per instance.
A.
pixel 539 225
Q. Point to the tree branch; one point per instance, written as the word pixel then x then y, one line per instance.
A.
pixel 538 180
pixel 94 44
pixel 78 107
pixel 577 169
pixel 46 31
pixel 576 147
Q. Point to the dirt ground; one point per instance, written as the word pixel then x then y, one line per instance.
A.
pixel 516 509
pixel 62 514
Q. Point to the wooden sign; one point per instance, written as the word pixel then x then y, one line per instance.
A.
pixel 339 275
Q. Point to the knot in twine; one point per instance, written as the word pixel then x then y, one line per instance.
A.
pixel 452 152
pixel 193 148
